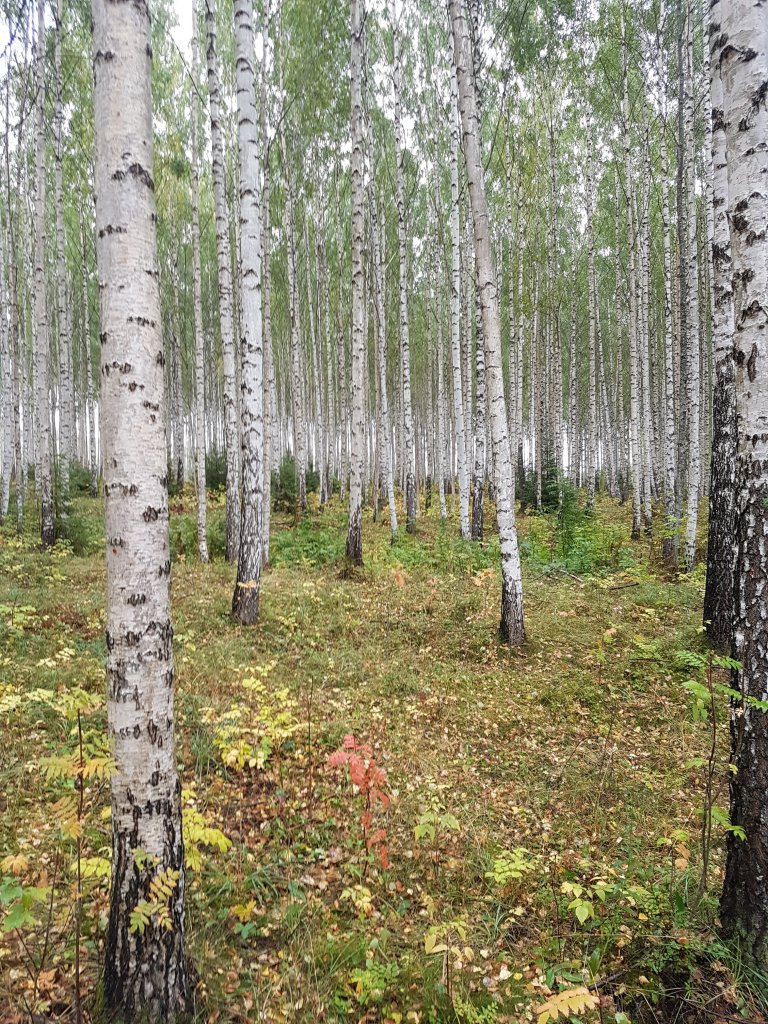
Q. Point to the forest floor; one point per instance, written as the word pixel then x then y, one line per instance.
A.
pixel 534 846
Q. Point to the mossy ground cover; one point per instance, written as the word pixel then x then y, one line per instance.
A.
pixel 538 831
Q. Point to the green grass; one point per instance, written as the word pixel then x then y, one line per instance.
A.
pixel 574 748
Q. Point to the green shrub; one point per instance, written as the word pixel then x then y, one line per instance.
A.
pixel 215 471
pixel 183 534
pixel 307 544
pixel 284 490
pixel 85 533
pixel 79 479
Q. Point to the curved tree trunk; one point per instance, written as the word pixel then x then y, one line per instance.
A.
pixel 146 973
pixel 511 626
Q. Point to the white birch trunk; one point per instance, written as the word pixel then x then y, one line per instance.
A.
pixel 693 390
pixel 354 547
pixel 743 44
pixel 223 260
pixel 380 326
pixel 592 304
pixel 245 601
pixel 66 397
pixel 43 468
pixel 456 365
pixel 197 298
pixel 511 627
pixel 718 596
pixel 146 975
pixel 409 453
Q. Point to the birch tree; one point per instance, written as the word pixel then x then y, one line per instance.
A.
pixel 44 474
pixel 146 973
pixel 231 431
pixel 742 41
pixel 245 601
pixel 511 628
pixel 409 441
pixel 718 596
pixel 354 549
pixel 66 397
pixel 456 365
pixel 197 299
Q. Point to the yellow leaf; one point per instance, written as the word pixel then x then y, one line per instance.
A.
pixel 17 863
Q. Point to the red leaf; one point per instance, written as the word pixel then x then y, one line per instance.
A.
pixel 376 837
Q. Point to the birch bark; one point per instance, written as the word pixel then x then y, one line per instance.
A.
pixel 743 45
pixel 245 601
pixel 402 238
pixel 146 974
pixel 512 629
pixel 223 262
pixel 718 595
pixel 202 543
pixel 354 548
pixel 43 478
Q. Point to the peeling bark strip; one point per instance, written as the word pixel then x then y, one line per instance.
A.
pixel 511 627
pixel 743 69
pixel 245 601
pixel 354 549
pixel 146 976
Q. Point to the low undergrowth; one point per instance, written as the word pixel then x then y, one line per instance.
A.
pixel 388 816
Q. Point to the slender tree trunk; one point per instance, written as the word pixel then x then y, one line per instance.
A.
pixel 270 405
pixel 456 365
pixel 43 469
pixel 354 549
pixel 512 627
pixel 297 355
pixel 478 477
pixel 592 302
pixel 245 601
pixel 197 299
pixel 635 456
pixel 146 973
pixel 743 59
pixel 693 391
pixel 409 454
pixel 223 257
pixel 93 464
pixel 6 389
pixel 671 533
pixel 718 596
pixel 380 332
pixel 66 398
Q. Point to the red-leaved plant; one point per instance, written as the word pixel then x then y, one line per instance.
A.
pixel 370 780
